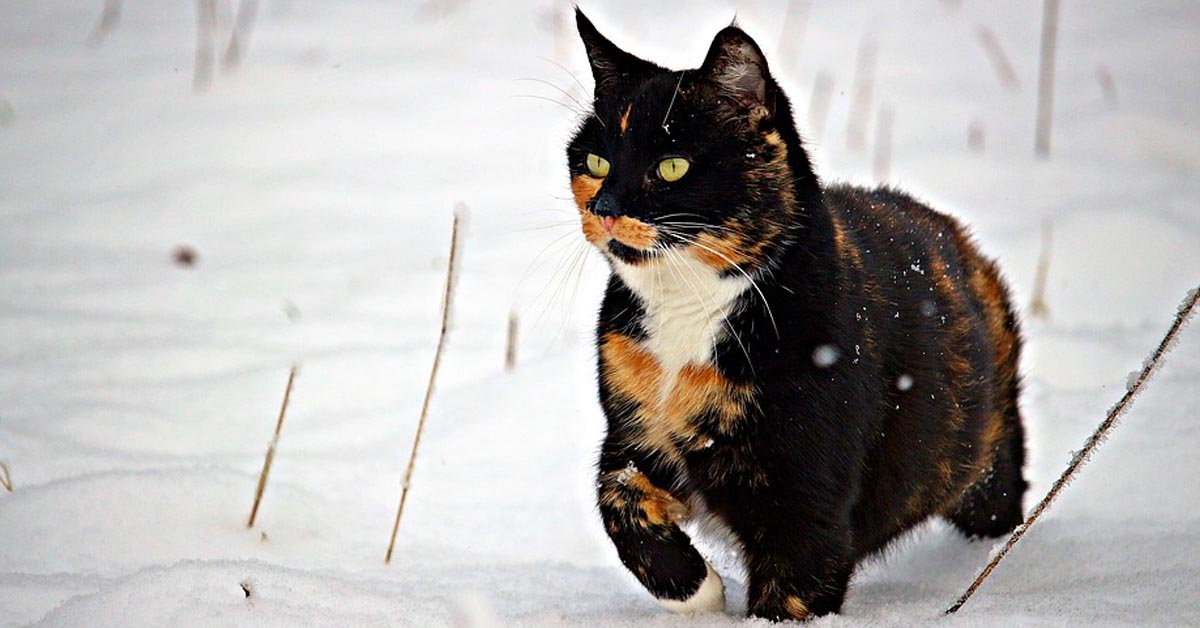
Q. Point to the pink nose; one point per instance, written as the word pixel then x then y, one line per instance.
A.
pixel 608 222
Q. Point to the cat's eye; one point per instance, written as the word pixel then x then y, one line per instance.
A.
pixel 597 166
pixel 673 168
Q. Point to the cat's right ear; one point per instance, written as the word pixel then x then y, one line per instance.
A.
pixel 611 66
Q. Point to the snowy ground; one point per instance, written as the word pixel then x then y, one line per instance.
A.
pixel 317 183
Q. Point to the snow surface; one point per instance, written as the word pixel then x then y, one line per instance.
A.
pixel 317 183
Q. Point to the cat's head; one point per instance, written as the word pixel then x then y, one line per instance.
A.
pixel 703 162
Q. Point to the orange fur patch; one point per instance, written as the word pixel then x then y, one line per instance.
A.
pixel 795 607
pixel 664 412
pixel 634 232
pixel 625 119
pixel 633 493
pixel 585 189
pixel 719 252
pixel 846 248
pixel 657 505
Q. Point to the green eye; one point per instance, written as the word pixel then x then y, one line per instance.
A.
pixel 597 166
pixel 673 168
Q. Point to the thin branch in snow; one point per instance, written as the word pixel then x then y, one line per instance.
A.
pixel 1037 307
pixel 999 59
pixel 109 18
pixel 1108 86
pixel 975 135
pixel 447 303
pixel 5 477
pixel 1045 108
pixel 206 42
pixel 510 351
pixel 818 105
pixel 864 88
pixel 1083 455
pixel 8 115
pixel 270 457
pixel 240 38
pixel 791 39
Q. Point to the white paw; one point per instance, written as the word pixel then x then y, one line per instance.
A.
pixel 709 598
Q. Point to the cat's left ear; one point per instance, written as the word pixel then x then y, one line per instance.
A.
pixel 737 66
pixel 611 66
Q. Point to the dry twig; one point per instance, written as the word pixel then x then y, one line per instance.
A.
pixel 239 39
pixel 447 302
pixel 818 105
pixel 1045 109
pixel 975 135
pixel 5 477
pixel 1037 307
pixel 206 41
pixel 864 88
pixel 109 19
pixel 510 351
pixel 1081 457
pixel 1108 85
pixel 270 457
pixel 996 55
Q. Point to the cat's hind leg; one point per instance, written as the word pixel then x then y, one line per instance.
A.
pixel 991 507
pixel 641 519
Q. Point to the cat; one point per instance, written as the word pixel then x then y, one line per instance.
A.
pixel 818 367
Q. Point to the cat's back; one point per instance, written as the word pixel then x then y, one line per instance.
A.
pixel 938 314
pixel 904 245
pixel 923 266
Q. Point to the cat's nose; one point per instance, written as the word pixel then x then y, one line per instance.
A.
pixel 608 222
pixel 606 205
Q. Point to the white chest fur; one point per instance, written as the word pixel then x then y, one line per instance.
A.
pixel 686 303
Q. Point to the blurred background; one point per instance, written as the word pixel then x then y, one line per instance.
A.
pixel 196 195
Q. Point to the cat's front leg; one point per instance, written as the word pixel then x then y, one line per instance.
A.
pixel 799 566
pixel 641 518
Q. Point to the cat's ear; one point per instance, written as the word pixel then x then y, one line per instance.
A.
pixel 611 66
pixel 737 66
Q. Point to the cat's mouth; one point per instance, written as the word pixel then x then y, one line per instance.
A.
pixel 627 239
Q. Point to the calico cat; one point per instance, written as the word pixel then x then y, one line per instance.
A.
pixel 819 367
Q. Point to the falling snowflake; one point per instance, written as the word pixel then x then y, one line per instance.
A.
pixel 826 356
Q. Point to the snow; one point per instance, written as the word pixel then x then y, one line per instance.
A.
pixel 825 356
pixel 317 185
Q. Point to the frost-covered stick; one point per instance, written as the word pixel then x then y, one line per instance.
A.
pixel 447 302
pixel 818 105
pixel 206 35
pixel 1081 457
pixel 995 52
pixel 108 21
pixel 975 135
pixel 240 38
pixel 270 457
pixel 791 39
pixel 1108 86
pixel 864 87
pixel 510 351
pixel 1037 307
pixel 5 477
pixel 1045 110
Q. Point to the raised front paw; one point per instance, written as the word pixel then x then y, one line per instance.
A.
pixel 642 520
pixel 708 598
